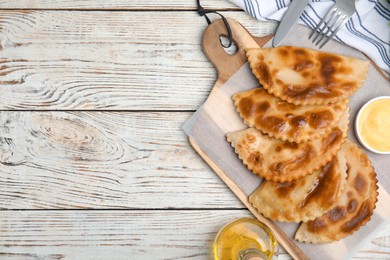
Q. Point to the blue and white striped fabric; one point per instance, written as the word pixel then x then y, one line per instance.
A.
pixel 368 30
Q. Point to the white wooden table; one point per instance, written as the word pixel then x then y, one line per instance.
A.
pixel 93 161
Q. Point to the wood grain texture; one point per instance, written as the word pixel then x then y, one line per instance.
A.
pixel 111 234
pixel 66 60
pixel 103 160
pixel 115 4
pixel 123 234
pixel 145 59
pixel 227 64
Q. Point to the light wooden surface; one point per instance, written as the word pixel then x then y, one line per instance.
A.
pixel 128 60
pixel 93 163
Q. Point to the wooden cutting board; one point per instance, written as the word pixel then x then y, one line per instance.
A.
pixel 226 65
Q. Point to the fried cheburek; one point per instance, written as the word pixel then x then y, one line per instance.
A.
pixel 281 161
pixel 354 207
pixel 306 77
pixel 304 199
pixel 286 121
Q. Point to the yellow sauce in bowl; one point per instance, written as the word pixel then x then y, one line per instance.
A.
pixel 374 125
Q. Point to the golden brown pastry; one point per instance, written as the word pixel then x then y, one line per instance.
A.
pixel 305 76
pixel 281 161
pixel 303 199
pixel 286 121
pixel 354 207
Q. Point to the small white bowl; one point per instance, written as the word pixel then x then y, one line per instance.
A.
pixel 357 132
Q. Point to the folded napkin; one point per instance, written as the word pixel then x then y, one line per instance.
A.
pixel 368 30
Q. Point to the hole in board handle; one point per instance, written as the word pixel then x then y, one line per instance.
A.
pixel 224 42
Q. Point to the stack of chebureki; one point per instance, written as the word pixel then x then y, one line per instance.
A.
pixel 297 141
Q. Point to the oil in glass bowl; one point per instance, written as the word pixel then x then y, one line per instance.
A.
pixel 244 239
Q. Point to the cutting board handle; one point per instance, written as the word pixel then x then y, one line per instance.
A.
pixel 226 64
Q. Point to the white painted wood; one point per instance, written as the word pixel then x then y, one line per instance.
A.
pixel 106 60
pixel 126 60
pixel 121 234
pixel 103 160
pixel 111 234
pixel 114 4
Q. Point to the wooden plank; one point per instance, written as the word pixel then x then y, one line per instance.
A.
pixel 111 234
pixel 127 60
pixel 103 160
pixel 124 234
pixel 115 4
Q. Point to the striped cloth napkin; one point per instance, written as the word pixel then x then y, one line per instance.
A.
pixel 368 30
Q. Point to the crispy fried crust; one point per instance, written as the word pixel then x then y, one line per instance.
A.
pixel 304 199
pixel 286 121
pixel 281 161
pixel 304 76
pixel 355 205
